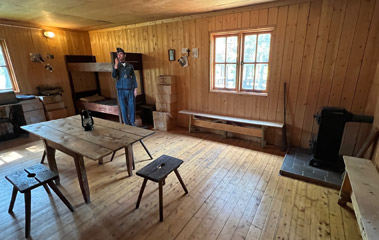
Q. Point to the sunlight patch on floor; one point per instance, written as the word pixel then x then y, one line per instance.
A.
pixel 10 156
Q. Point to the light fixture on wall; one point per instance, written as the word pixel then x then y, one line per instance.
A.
pixel 48 34
pixel 37 57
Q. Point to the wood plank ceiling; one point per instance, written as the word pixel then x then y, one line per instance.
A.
pixel 95 14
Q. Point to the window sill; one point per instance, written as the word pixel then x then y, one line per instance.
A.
pixel 261 94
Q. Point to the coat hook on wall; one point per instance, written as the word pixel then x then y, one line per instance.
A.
pixel 37 57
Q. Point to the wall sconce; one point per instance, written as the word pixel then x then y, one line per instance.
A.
pixel 48 34
pixel 37 57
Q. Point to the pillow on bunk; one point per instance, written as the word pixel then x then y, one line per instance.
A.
pixel 93 98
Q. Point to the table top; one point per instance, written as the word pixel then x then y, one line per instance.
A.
pixel 105 138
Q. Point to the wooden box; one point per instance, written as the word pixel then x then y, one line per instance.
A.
pixel 166 98
pixel 50 99
pixel 166 80
pixel 35 116
pixel 166 89
pixel 54 106
pixel 166 107
pixel 56 114
pixel 164 120
pixel 31 105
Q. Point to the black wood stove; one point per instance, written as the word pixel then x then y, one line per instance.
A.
pixel 326 145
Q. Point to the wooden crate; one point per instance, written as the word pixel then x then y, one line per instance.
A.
pixel 164 120
pixel 35 116
pixel 166 80
pixel 166 98
pixel 56 114
pixel 50 99
pixel 166 107
pixel 54 106
pixel 166 89
pixel 31 104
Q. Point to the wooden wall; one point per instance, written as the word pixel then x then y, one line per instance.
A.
pixel 326 51
pixel 22 41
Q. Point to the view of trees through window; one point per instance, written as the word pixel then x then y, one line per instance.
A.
pixel 241 61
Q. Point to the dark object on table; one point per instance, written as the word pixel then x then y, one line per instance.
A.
pixel 87 120
pixel 157 171
pixel 326 146
pixel 25 180
pixel 8 97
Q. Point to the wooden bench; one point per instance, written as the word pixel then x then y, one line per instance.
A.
pixel 361 187
pixel 157 171
pixel 258 129
pixel 25 180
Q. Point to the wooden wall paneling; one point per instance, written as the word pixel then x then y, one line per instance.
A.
pixel 331 52
pixel 197 68
pixel 309 50
pixel 204 50
pixel 301 29
pixel 150 87
pixel 356 54
pixel 211 96
pixel 187 72
pixel 182 120
pixel 319 57
pixel 285 76
pixel 272 21
pixel 191 66
pixel 350 20
pixel 353 68
pixel 363 92
pixel 276 69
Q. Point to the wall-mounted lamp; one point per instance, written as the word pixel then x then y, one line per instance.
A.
pixel 48 34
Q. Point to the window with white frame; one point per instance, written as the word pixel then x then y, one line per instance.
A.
pixel 7 77
pixel 240 60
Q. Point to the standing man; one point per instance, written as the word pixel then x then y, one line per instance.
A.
pixel 126 86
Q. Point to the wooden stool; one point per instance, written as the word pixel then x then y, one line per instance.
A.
pixel 157 171
pixel 26 180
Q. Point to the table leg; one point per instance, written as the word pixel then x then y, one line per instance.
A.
pixel 82 177
pixel 345 191
pixel 147 151
pixel 129 159
pixel 50 153
pixel 61 196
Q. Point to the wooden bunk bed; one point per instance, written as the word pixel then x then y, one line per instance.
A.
pixel 85 85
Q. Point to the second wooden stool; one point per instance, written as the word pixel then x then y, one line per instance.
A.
pixel 157 171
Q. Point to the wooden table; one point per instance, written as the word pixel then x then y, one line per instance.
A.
pixel 68 136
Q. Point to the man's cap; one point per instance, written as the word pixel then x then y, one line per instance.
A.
pixel 120 50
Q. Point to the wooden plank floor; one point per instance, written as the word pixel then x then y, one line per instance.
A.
pixel 235 192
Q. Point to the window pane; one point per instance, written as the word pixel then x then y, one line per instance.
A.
pixel 2 58
pixel 261 77
pixel 231 76
pixel 231 53
pixel 250 48
pixel 248 77
pixel 263 47
pixel 5 81
pixel 220 76
pixel 220 49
